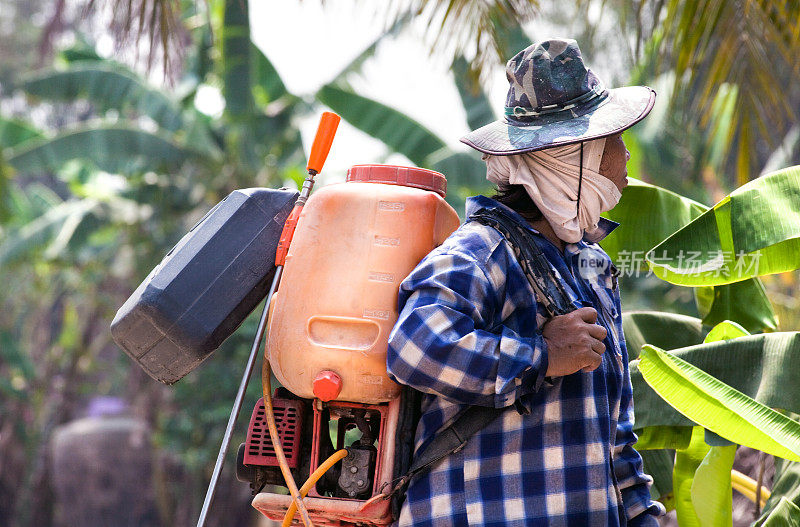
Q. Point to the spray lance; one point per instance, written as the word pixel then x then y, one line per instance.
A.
pixel 319 153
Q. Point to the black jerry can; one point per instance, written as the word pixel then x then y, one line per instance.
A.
pixel 205 286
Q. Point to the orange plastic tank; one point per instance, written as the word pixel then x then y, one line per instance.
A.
pixel 337 301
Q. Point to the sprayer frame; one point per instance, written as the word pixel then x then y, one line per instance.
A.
pixel 343 511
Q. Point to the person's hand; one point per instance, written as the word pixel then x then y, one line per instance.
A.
pixel 574 342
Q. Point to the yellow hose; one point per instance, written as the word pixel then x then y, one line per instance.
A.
pixel 276 443
pixel 312 480
pixel 747 487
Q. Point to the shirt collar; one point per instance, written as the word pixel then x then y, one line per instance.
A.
pixel 476 203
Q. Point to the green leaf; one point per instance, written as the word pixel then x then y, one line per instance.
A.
pixel 745 302
pixel 267 84
pixel 711 492
pixel 460 168
pixel 665 330
pixel 647 215
pixel 754 231
pixel 395 129
pixel 714 405
pixel 477 105
pixel 775 356
pixel 14 132
pixel 664 437
pixel 686 464
pixel 511 38
pixel 236 58
pixel 34 236
pixel 465 172
pixel 81 50
pixel 117 148
pixel 725 330
pixel 110 87
pixel 786 514
pixel 659 465
pixel 785 487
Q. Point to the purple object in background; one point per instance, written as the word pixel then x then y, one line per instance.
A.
pixel 106 406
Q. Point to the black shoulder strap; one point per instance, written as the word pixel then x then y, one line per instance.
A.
pixel 549 291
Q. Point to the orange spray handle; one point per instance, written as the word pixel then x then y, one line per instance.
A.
pixel 328 124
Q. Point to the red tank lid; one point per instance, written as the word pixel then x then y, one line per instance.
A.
pixel 397 175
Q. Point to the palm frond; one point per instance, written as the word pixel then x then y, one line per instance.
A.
pixel 469 28
pixel 159 21
pixel 751 45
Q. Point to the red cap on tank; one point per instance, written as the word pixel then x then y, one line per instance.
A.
pixel 397 175
pixel 327 385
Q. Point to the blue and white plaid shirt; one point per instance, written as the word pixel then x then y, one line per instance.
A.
pixel 469 334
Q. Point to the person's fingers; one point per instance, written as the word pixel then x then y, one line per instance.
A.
pixel 593 363
pixel 598 347
pixel 597 331
pixel 587 314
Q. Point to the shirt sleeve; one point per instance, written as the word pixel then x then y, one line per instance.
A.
pixel 634 484
pixel 443 342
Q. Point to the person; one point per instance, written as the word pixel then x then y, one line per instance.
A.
pixel 471 330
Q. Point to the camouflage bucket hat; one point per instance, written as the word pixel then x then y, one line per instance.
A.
pixel 554 100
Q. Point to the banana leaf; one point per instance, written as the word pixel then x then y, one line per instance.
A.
pixel 108 86
pixel 711 492
pixel 236 49
pixel 666 330
pixel 647 215
pixel 745 302
pixel 476 103
pixel 13 132
pixel 726 330
pixel 714 405
pixel 664 437
pixel 659 465
pixel 775 356
pixel 511 38
pixel 687 462
pixel 81 50
pixel 65 218
pixel 754 231
pixel 267 83
pixel 395 129
pixel 785 488
pixel 785 514
pixel 116 149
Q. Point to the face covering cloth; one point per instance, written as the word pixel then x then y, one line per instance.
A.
pixel 552 178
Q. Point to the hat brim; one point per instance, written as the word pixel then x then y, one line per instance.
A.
pixel 623 108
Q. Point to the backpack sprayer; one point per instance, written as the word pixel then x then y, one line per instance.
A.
pixel 338 422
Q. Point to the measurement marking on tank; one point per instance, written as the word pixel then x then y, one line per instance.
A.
pixel 391 205
pixel 387 241
pixel 375 276
pixel 380 314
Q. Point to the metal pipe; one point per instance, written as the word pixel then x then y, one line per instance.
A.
pixel 237 404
